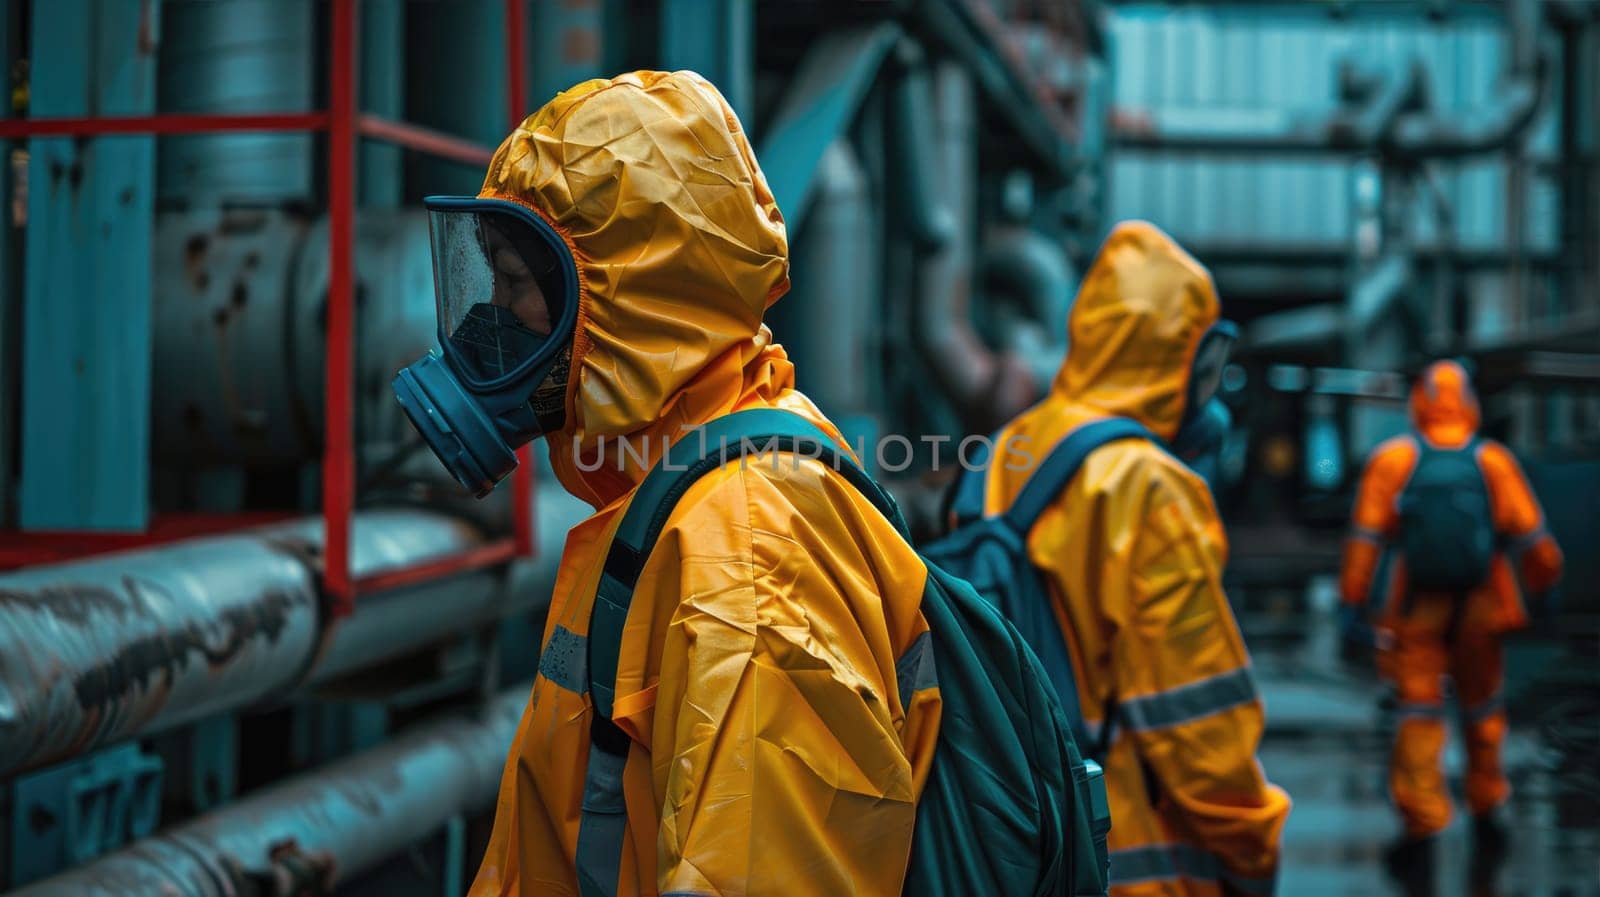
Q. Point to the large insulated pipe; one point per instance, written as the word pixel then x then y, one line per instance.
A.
pixel 101 650
pixel 236 56
pixel 833 306
pixel 240 299
pixel 985 387
pixel 316 830
pixel 1036 273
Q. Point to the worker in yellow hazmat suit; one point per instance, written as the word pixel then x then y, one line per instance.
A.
pixel 770 751
pixel 1133 552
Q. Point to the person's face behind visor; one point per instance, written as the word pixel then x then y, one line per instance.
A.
pixel 507 293
pixel 499 285
pixel 1210 359
pixel 515 286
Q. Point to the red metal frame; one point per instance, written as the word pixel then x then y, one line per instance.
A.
pixel 338 402
pixel 343 122
pixel 425 140
pixel 517 103
pixel 56 547
pixel 17 128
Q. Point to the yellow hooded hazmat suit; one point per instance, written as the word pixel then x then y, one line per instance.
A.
pixel 771 751
pixel 1133 551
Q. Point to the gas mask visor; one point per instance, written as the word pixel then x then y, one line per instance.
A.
pixel 506 288
pixel 1210 359
pixel 1196 432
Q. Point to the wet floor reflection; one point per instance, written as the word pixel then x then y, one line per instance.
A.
pixel 1335 838
pixel 1327 743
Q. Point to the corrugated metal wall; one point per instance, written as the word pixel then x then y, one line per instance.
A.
pixel 1242 64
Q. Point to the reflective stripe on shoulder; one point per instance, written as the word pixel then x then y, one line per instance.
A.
pixel 1169 862
pixel 915 670
pixel 1188 702
pixel 565 660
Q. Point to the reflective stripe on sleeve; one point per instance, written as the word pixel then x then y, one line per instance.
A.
pixel 1516 545
pixel 1188 702
pixel 915 670
pixel 1368 535
pixel 1169 862
pixel 1420 711
pixel 565 660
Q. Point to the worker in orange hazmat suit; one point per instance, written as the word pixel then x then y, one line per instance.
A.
pixel 1133 552
pixel 1445 579
pixel 769 748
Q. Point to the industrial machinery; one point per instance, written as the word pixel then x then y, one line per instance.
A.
pixel 254 640
pixel 237 583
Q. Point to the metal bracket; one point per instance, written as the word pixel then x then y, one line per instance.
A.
pixel 74 812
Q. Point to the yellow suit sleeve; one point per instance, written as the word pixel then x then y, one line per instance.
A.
pixel 777 757
pixel 1187 697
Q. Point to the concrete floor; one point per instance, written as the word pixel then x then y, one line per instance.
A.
pixel 1327 744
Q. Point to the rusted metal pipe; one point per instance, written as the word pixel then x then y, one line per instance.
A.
pixel 835 305
pixel 916 176
pixel 97 651
pixel 315 830
pixel 986 387
pixel 1035 272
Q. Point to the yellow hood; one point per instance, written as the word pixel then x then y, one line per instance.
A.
pixel 1444 407
pixel 680 249
pixel 1138 319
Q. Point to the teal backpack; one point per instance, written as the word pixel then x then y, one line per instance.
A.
pixel 1009 807
pixel 1446 526
pixel 992 554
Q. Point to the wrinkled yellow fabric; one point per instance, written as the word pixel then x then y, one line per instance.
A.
pixel 771 751
pixel 1134 551
pixel 680 249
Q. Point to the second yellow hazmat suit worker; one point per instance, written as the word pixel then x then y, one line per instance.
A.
pixel 1133 551
pixel 771 751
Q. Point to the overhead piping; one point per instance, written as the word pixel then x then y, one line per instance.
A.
pixel 1389 117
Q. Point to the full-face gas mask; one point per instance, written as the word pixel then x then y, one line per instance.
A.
pixel 1205 420
pixel 507 292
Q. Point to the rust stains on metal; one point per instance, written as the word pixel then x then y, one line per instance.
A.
pixel 70 603
pixel 167 653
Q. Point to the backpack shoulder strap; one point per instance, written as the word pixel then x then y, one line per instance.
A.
pixel 966 500
pixel 1061 465
pixel 727 439
pixel 602 828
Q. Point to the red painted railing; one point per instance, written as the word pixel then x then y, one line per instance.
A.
pixel 343 122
